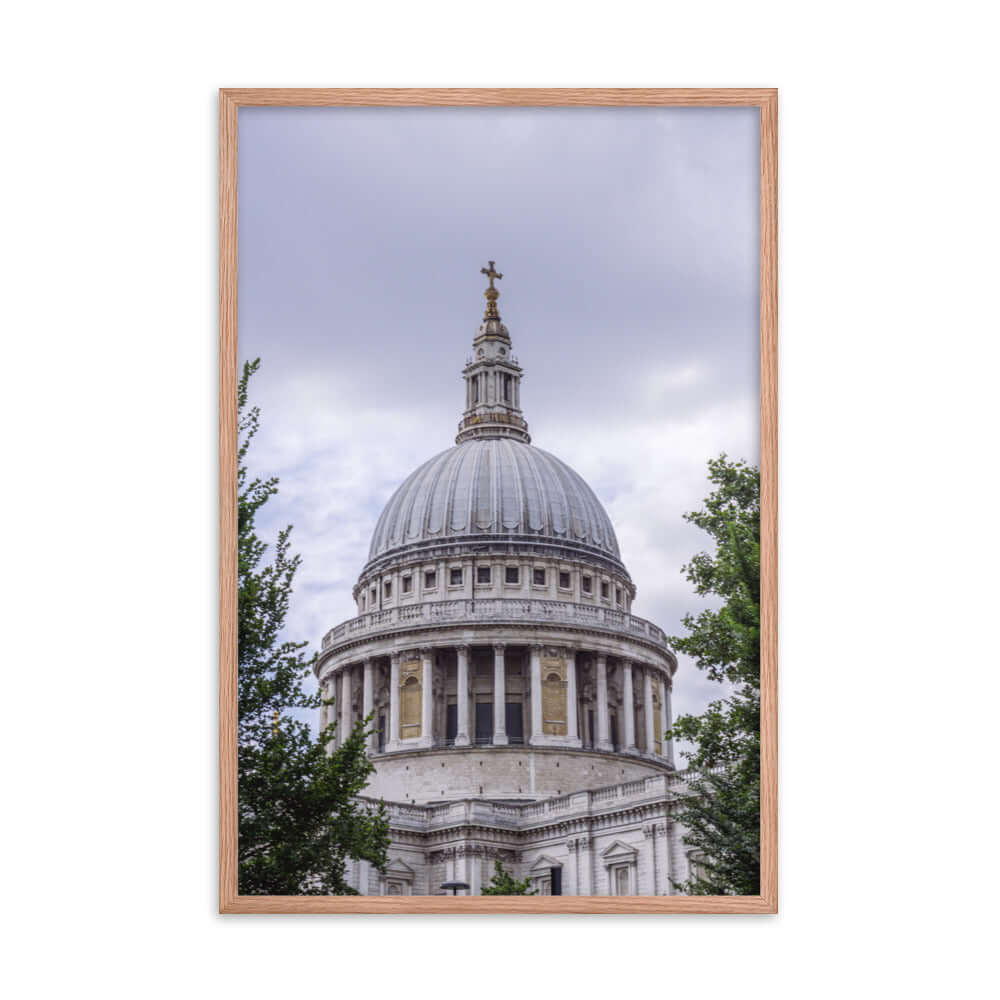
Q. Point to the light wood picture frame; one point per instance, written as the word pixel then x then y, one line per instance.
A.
pixel 230 103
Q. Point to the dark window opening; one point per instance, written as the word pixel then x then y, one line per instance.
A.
pixel 513 574
pixel 482 574
pixel 430 580
pixel 388 588
pixel 614 730
pixel 604 590
pixel 381 732
pixel 407 584
pixel 539 577
pixel 456 577
pixel 556 878
pixel 484 722
pixel 585 584
pixel 514 721
pixel 450 725
pixel 564 581
pixel 618 595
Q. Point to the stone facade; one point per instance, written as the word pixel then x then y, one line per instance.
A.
pixel 518 705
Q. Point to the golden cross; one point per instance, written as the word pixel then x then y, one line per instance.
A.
pixel 491 273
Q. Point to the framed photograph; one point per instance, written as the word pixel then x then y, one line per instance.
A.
pixel 498 485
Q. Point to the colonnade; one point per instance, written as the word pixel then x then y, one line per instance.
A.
pixel 412 673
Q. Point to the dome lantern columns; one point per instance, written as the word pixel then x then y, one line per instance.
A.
pixel 492 378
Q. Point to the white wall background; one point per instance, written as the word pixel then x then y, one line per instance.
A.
pixel 888 496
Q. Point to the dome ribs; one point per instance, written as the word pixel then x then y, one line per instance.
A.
pixel 483 496
pixel 418 501
pixel 493 487
pixel 441 502
pixel 512 512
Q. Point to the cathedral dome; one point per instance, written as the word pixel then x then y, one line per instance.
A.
pixel 494 488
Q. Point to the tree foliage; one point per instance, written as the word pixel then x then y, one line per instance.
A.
pixel 299 815
pixel 504 884
pixel 723 812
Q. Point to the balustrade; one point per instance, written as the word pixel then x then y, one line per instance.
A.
pixel 495 609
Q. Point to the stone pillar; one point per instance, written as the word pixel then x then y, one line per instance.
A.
pixel 571 871
pixel 647 680
pixel 475 879
pixel 536 694
pixel 462 683
pixel 368 701
pixel 664 718
pixel 427 699
pixel 649 831
pixel 499 696
pixel 345 707
pixel 323 709
pixel 603 742
pixel 585 866
pixel 571 706
pixel 668 710
pixel 628 707
pixel 393 742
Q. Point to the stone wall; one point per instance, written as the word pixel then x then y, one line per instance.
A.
pixel 500 772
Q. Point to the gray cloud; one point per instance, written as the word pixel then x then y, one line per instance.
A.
pixel 628 240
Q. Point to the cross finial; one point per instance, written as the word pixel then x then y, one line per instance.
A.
pixel 492 293
pixel 491 273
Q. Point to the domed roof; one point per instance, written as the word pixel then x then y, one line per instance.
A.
pixel 494 486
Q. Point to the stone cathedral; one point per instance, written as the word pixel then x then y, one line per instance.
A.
pixel 520 706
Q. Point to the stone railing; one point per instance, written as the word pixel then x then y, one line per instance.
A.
pixel 494 610
pixel 503 814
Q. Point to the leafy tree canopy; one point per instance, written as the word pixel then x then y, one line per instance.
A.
pixel 722 813
pixel 299 815
pixel 504 884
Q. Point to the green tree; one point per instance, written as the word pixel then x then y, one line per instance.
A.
pixel 504 884
pixel 299 814
pixel 723 811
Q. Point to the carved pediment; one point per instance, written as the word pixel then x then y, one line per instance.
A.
pixel 619 852
pixel 543 864
pixel 399 869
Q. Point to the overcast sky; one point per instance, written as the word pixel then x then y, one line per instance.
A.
pixel 628 241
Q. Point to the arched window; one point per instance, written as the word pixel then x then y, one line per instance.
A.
pixel 410 708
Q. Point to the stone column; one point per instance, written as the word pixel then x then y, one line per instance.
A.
pixel 368 701
pixel 326 713
pixel 536 694
pixel 427 700
pixel 345 704
pixel 603 742
pixel 628 707
pixel 462 682
pixel 393 741
pixel 571 706
pixel 475 879
pixel 649 831
pixel 668 709
pixel 323 708
pixel 499 696
pixel 586 874
pixel 664 717
pixel 571 871
pixel 647 676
